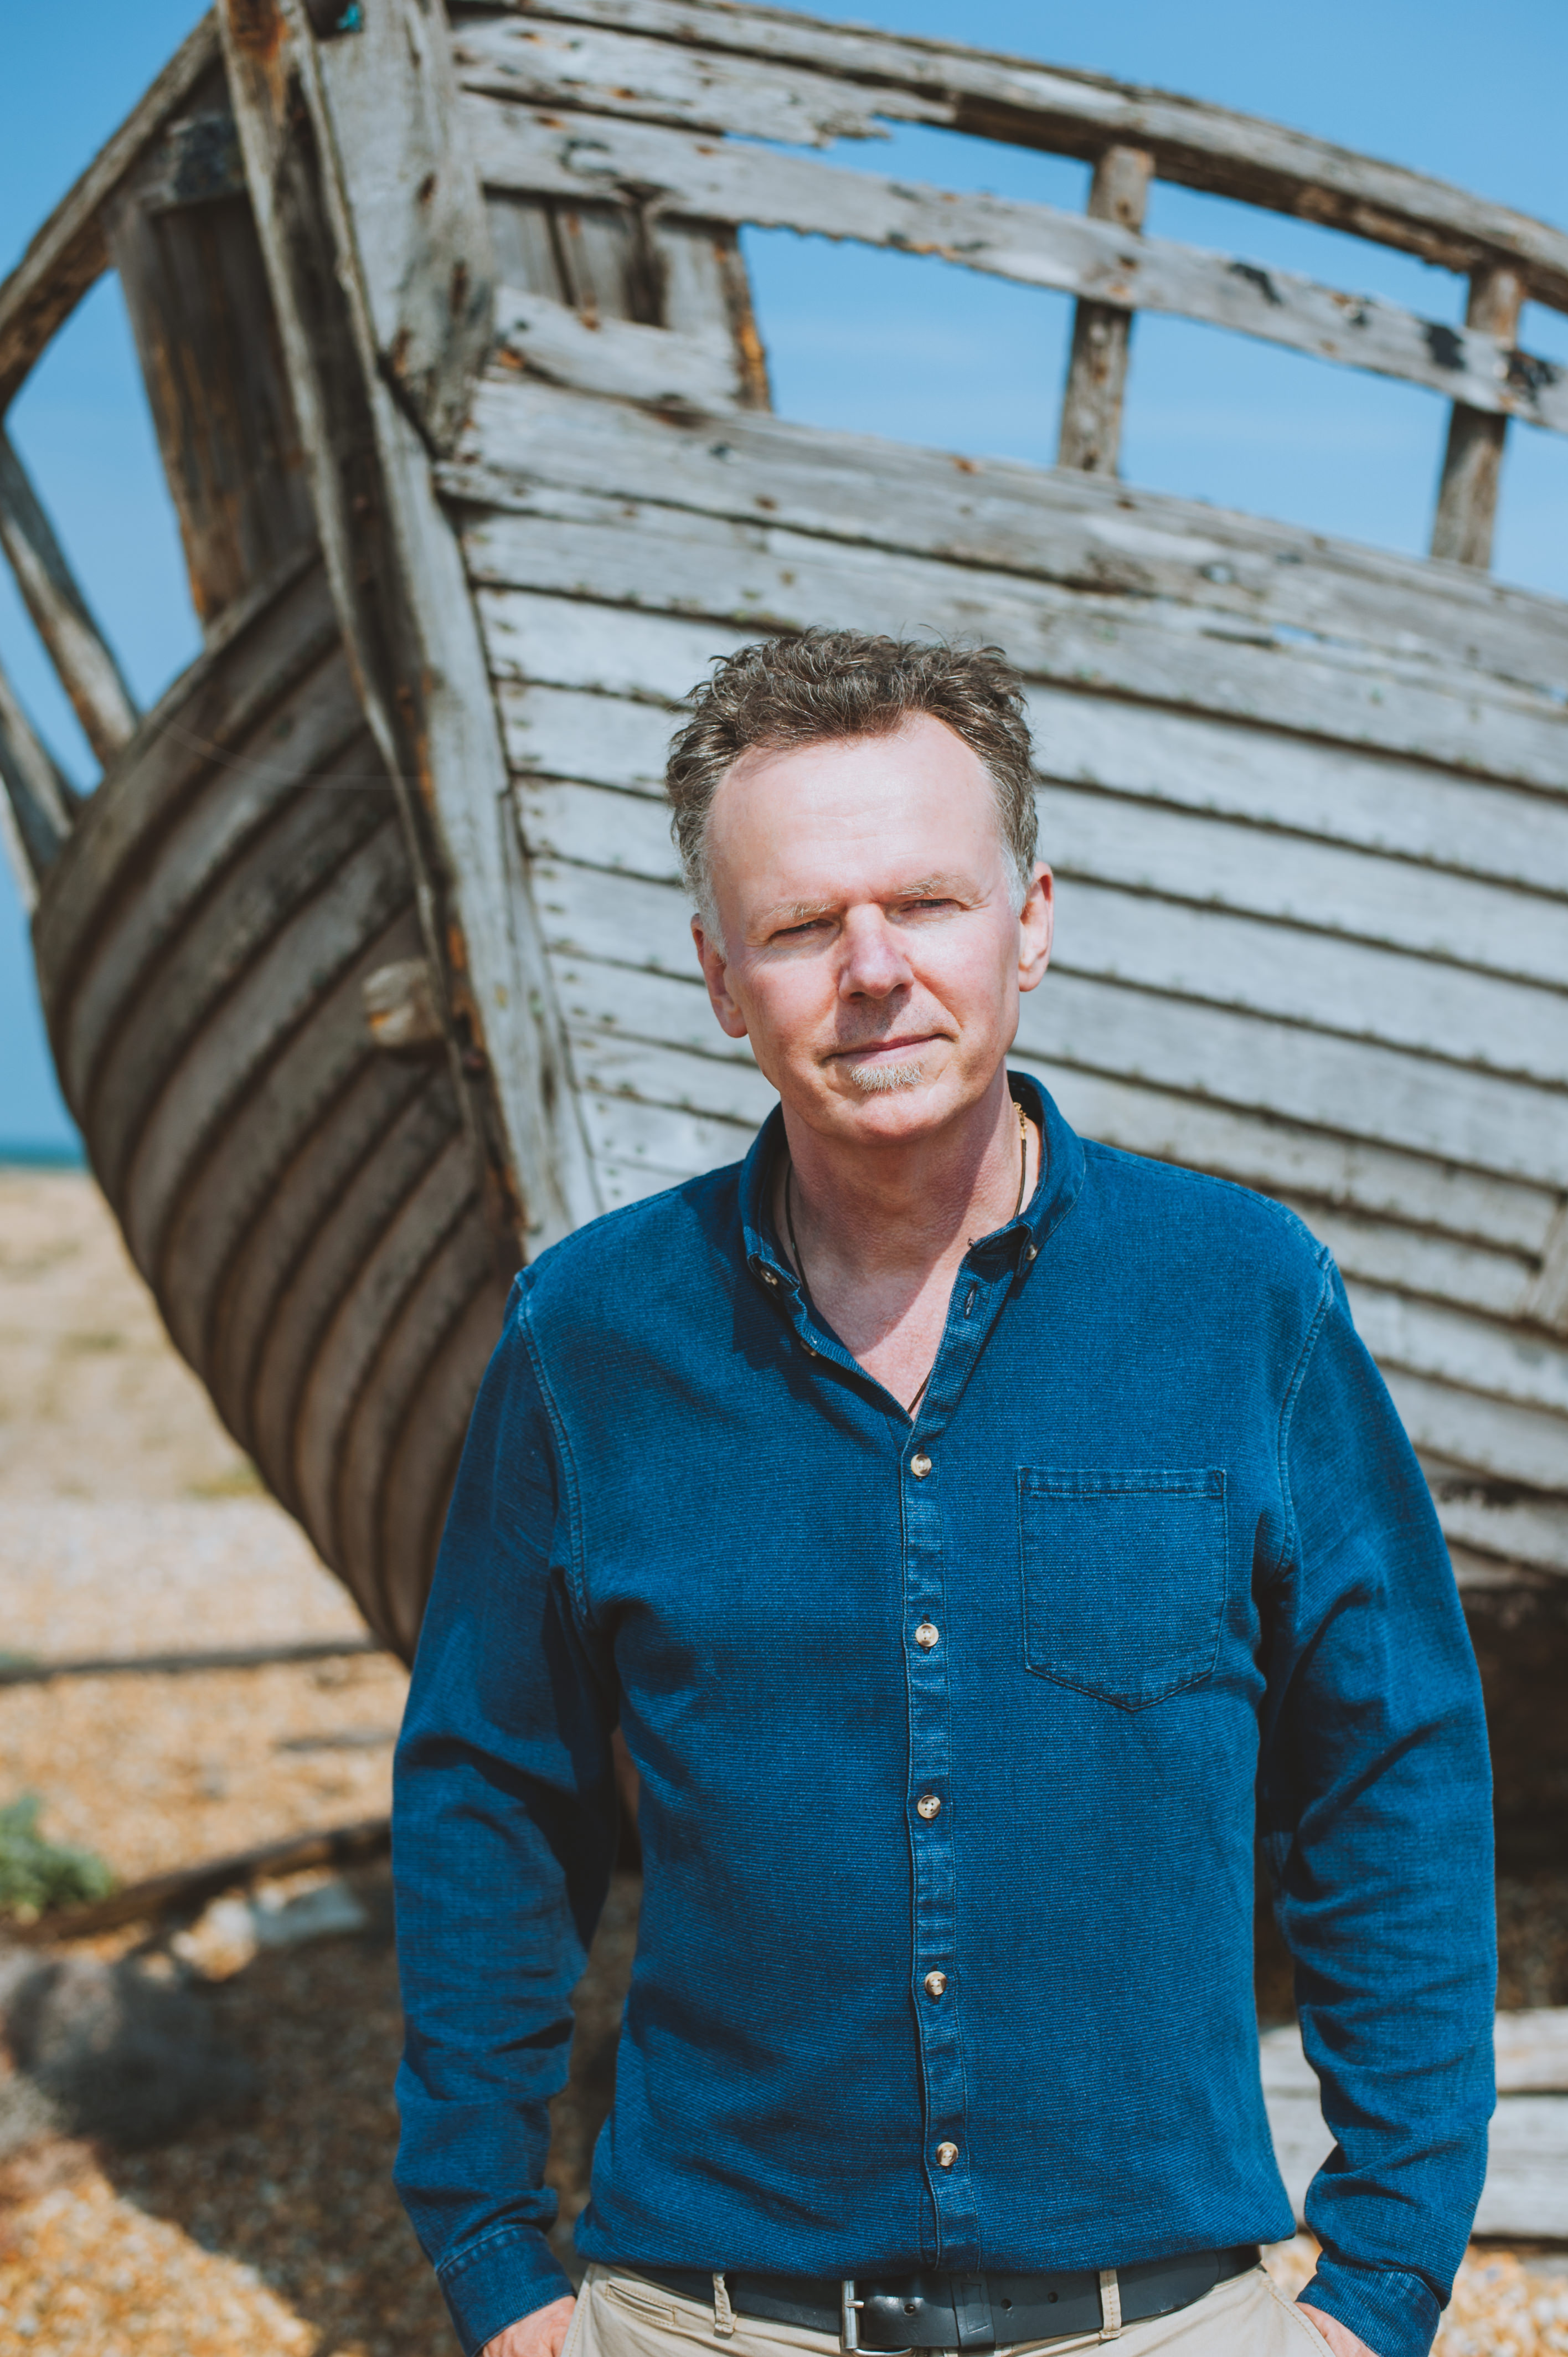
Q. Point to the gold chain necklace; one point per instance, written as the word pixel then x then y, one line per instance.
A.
pixel 795 1241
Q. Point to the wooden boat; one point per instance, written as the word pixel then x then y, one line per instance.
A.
pixel 366 965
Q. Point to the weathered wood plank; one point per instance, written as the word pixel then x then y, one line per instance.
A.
pixel 149 1145
pixel 399 587
pixel 1415 1260
pixel 1021 101
pixel 1091 435
pixel 68 254
pixel 616 356
pixel 1404 810
pixel 1506 1528
pixel 1473 460
pixel 320 749
pixel 539 154
pixel 347 1350
pixel 1254 1065
pixel 1052 524
pixel 564 641
pixel 1248 1062
pixel 608 71
pixel 1322 1174
pixel 1322 971
pixel 391 1394
pixel 317 1076
pixel 409 192
pixel 1526 2190
pixel 209 713
pixel 756 578
pixel 1500 1438
pixel 324 1274
pixel 660 1138
pixel 36 803
pixel 83 662
pixel 425 1465
pixel 1475 1353
pixel 196 293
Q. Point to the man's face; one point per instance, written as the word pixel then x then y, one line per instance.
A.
pixel 871 952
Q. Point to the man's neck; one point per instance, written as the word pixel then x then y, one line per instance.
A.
pixel 900 1211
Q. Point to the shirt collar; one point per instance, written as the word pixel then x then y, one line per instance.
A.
pixel 1055 1191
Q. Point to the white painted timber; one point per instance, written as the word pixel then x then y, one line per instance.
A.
pixel 1203 951
pixel 1355 1196
pixel 659 656
pixel 553 342
pixel 1051 524
pixel 1529 1530
pixel 762 578
pixel 580 155
pixel 563 733
pixel 1456 1347
pixel 1527 2162
pixel 1013 98
pixel 1497 1438
pixel 611 72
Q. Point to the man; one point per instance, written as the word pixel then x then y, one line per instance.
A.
pixel 977 1533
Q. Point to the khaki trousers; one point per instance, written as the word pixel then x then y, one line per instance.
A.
pixel 620 2315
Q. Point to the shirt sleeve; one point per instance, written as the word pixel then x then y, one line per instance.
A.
pixel 1375 1805
pixel 504 1825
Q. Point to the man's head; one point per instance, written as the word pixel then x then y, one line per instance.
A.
pixel 855 820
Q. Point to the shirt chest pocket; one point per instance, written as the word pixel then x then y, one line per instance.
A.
pixel 1123 1579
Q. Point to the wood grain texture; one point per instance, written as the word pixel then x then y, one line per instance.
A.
pixel 83 662
pixel 545 154
pixel 411 207
pixel 552 340
pixel 1473 461
pixel 1084 534
pixel 1526 2190
pixel 191 276
pixel 204 940
pixel 398 588
pixel 37 806
pixel 1020 101
pixel 1091 435
pixel 68 254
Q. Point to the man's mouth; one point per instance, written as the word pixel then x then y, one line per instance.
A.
pixel 879 1066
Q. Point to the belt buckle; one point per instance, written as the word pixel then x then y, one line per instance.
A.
pixel 849 2325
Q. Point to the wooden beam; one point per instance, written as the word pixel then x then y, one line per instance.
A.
pixel 27 1670
pixel 606 159
pixel 189 1887
pixel 1472 463
pixel 37 809
pixel 83 663
pixel 1097 371
pixel 1020 101
pixel 69 252
pixel 396 571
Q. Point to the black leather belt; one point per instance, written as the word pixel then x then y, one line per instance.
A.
pixel 981 2311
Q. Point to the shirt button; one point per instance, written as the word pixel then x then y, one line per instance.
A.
pixel 920 1465
pixel 946 2155
pixel 935 1984
pixel 926 1635
pixel 770 1277
pixel 927 1806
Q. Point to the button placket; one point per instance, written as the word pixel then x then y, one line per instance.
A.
pixel 931 1803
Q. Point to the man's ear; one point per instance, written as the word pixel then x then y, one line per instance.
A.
pixel 715 974
pixel 1036 921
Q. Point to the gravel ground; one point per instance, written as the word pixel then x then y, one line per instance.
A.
pixel 129 1522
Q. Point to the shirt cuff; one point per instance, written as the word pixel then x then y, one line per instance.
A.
pixel 498 2280
pixel 1396 2314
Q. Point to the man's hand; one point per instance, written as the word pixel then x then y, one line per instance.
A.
pixel 543 2334
pixel 1339 2337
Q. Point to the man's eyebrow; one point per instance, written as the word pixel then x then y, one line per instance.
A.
pixel 919 888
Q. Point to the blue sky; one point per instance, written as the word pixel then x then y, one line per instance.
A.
pixel 884 343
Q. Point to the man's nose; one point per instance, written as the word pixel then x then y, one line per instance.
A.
pixel 872 960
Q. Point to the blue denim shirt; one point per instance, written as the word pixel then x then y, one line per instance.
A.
pixel 1184 1578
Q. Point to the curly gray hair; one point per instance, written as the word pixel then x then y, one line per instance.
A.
pixel 827 684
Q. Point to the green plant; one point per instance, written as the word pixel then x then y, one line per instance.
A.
pixel 36 1874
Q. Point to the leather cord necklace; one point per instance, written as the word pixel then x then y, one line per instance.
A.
pixel 795 1241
